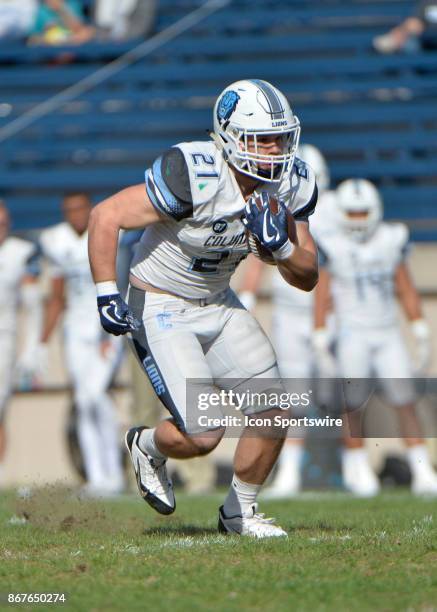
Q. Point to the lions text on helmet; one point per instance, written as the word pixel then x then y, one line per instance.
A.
pixel 247 116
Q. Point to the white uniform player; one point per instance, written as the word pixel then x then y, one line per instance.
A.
pixel 17 282
pixel 91 355
pixel 185 321
pixel 365 266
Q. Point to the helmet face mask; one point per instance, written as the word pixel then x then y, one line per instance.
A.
pixel 360 208
pixel 248 117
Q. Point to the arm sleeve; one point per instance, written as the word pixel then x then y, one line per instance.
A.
pixel 168 185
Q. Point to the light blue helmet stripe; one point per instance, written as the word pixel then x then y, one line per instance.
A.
pixel 273 100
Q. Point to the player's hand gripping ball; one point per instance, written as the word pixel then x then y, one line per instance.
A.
pixel 269 226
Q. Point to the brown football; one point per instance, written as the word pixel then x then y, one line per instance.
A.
pixel 255 245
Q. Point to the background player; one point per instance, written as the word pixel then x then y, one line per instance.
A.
pixel 185 321
pixel 18 279
pixel 364 269
pixel 91 355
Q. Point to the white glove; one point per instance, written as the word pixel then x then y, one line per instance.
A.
pixel 31 367
pixel 326 364
pixel 422 334
pixel 248 299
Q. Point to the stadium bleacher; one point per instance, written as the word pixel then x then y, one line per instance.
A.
pixel 373 116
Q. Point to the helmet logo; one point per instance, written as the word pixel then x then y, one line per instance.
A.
pixel 227 105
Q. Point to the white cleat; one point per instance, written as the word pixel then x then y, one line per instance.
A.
pixel 252 524
pixel 153 482
pixel 358 477
pixel 425 484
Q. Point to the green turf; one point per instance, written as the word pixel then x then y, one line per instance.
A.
pixel 342 554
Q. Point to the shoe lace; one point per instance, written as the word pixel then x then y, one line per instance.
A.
pixel 260 517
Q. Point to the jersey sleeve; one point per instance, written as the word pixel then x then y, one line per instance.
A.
pixel 401 238
pixel 168 185
pixel 307 192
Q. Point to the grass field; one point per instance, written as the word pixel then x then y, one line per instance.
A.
pixel 342 554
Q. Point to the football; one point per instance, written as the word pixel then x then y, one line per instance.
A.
pixel 255 245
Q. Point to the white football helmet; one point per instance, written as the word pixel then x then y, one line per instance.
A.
pixel 247 110
pixel 356 196
pixel 312 156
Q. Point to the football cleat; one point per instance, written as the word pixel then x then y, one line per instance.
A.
pixel 252 524
pixel 154 485
pixel 358 477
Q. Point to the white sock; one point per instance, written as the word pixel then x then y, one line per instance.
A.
pixel 2 474
pixel 418 459
pixel 241 497
pixel 147 444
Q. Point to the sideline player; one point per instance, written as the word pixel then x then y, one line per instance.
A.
pixel 91 355
pixel 364 269
pixel 18 281
pixel 292 325
pixel 185 321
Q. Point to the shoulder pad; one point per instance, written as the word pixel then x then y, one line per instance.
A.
pixel 205 164
pixel 51 238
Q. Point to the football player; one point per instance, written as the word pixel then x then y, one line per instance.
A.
pixel 364 269
pixel 91 355
pixel 184 320
pixel 292 325
pixel 18 281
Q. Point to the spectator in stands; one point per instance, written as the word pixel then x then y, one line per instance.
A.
pixel 124 19
pixel 60 22
pixel 416 32
pixel 16 18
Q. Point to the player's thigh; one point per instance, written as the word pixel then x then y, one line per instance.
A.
pixel 354 358
pixel 242 349
pixel 393 367
pixel 354 354
pixel 291 337
pixel 242 359
pixel 80 357
pixel 170 354
pixel 7 360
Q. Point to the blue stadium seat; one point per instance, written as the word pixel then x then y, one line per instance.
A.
pixel 373 116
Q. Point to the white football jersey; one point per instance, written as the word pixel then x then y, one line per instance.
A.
pixel 68 256
pixel 292 297
pixel 196 248
pixel 363 274
pixel 14 259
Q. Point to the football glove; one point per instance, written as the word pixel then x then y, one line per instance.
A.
pixel 270 229
pixel 115 315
